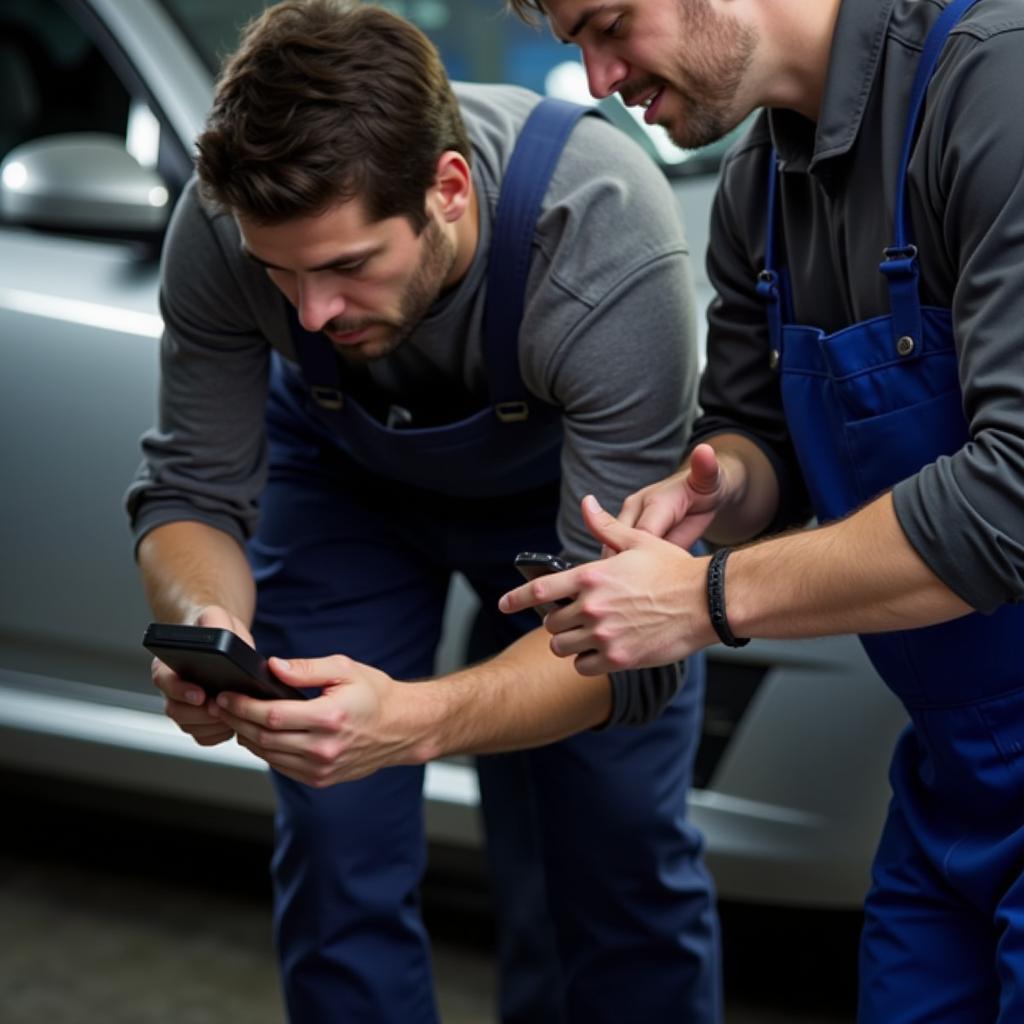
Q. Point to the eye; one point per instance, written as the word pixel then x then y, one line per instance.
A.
pixel 614 28
pixel 347 269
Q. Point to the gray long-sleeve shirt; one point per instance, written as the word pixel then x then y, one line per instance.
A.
pixel 607 336
pixel 964 513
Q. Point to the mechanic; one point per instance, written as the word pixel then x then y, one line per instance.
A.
pixel 393 352
pixel 863 357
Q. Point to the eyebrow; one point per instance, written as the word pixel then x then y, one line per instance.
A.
pixel 338 261
pixel 581 23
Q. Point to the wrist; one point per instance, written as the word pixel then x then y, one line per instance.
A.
pixel 716 600
pixel 426 713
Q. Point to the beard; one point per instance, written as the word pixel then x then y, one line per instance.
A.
pixel 420 294
pixel 719 50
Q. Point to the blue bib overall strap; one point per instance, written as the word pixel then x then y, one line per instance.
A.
pixel 773 283
pixel 866 407
pixel 900 265
pixel 514 443
pixel 523 186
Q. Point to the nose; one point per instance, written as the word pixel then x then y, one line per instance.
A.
pixel 606 73
pixel 318 302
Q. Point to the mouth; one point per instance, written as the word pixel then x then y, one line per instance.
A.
pixel 651 105
pixel 649 99
pixel 352 337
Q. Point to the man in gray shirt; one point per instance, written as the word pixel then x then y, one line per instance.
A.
pixel 864 363
pixel 353 407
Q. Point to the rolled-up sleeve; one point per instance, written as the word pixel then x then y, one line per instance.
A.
pixel 964 514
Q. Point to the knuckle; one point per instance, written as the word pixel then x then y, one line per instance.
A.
pixel 323 755
pixel 334 720
pixel 616 658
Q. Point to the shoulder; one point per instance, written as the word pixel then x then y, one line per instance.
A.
pixel 204 274
pixel 609 211
pixel 608 208
pixel 493 115
pixel 979 69
pixel 989 20
pixel 200 234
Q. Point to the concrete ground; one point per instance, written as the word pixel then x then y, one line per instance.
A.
pixel 104 921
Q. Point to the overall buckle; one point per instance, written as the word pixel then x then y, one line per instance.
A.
pixel 512 412
pixel 768 286
pixel 328 398
pixel 899 260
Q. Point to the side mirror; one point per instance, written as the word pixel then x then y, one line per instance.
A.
pixel 83 182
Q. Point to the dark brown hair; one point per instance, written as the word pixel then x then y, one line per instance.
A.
pixel 325 101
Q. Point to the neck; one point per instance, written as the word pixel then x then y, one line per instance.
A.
pixel 800 42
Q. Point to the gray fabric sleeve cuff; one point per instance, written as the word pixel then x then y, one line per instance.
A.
pixel 640 695
pixel 963 559
pixel 151 518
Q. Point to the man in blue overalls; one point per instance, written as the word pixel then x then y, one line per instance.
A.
pixel 412 330
pixel 865 362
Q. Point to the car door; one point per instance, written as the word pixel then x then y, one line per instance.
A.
pixel 78 344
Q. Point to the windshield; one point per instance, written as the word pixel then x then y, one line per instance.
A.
pixel 479 42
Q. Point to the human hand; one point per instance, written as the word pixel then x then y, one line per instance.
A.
pixel 681 507
pixel 352 729
pixel 186 703
pixel 642 606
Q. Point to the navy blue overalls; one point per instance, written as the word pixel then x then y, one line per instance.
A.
pixel 867 407
pixel 606 910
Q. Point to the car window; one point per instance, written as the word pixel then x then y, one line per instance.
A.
pixel 53 79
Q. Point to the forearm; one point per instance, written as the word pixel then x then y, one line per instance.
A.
pixel 187 566
pixel 523 697
pixel 858 575
pixel 751 486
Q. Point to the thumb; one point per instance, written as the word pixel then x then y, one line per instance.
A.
pixel 304 672
pixel 704 469
pixel 607 529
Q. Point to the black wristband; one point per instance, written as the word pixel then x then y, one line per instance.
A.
pixel 716 600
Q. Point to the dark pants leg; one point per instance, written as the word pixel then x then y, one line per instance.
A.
pixel 926 953
pixel 614 914
pixel 334 576
pixel 608 911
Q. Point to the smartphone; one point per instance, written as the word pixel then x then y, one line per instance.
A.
pixel 216 660
pixel 532 564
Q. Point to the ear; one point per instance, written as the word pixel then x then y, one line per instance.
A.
pixel 453 185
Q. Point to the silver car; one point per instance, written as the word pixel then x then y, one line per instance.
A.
pixel 102 99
